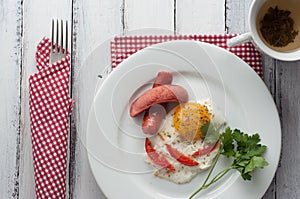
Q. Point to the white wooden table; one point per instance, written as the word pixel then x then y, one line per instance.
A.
pixel 24 22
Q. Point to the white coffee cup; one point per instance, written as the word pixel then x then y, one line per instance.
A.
pixel 257 11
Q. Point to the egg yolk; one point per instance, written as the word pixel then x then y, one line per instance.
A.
pixel 188 119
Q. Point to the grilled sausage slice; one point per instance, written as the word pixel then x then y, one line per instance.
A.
pixel 154 115
pixel 157 95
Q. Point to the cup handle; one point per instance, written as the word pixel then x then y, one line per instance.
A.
pixel 239 39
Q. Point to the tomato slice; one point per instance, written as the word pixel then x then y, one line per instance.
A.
pixel 183 159
pixel 206 150
pixel 158 159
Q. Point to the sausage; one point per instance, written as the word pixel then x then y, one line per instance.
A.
pixel 157 95
pixel 163 78
pixel 153 119
pixel 154 115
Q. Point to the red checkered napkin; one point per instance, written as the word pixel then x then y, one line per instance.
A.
pixel 124 46
pixel 50 107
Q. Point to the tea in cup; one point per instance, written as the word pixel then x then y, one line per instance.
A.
pixel 274 28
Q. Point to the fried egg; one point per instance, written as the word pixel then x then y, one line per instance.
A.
pixel 180 138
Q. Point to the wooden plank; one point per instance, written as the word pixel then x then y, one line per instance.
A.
pixel 235 11
pixel 237 16
pixel 269 75
pixel 95 23
pixel 287 91
pixel 10 67
pixel 149 17
pixel 282 78
pixel 200 17
pixel 33 31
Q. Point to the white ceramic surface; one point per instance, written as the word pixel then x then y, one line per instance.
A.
pixel 116 150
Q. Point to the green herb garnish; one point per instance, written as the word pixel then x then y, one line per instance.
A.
pixel 211 133
pixel 245 151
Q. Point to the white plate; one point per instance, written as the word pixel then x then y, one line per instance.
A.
pixel 115 141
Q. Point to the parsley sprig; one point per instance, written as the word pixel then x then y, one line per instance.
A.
pixel 246 151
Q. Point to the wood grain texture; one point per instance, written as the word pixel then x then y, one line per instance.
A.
pixel 10 62
pixel 269 72
pixel 237 16
pixel 95 23
pixel 24 23
pixel 287 91
pixel 149 14
pixel 235 11
pixel 282 79
pixel 200 17
pixel 33 31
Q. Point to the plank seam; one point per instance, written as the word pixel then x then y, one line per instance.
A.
pixel 123 21
pixel 175 17
pixel 16 191
pixel 280 115
pixel 72 129
pixel 226 28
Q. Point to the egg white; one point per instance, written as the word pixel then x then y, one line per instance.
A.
pixel 169 135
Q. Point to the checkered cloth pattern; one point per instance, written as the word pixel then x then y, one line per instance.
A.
pixel 50 108
pixel 124 46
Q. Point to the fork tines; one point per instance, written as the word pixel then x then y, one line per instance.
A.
pixel 59 36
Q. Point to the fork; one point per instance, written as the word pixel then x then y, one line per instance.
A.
pixel 59 40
